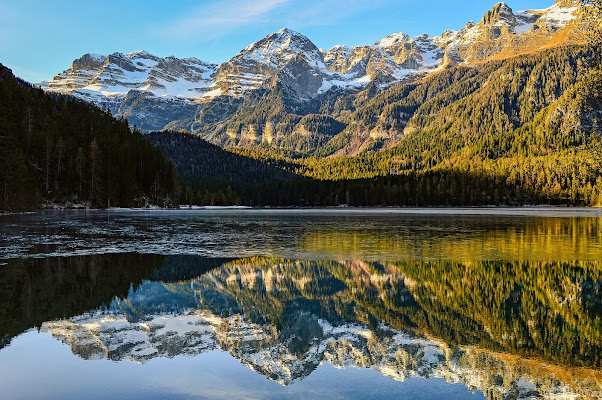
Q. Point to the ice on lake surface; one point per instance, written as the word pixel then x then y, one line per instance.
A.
pixel 374 234
pixel 413 303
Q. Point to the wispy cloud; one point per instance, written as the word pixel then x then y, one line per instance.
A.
pixel 220 18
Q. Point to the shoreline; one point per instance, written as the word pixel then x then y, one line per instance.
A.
pixel 519 211
pixel 434 210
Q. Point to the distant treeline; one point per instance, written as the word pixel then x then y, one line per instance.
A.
pixel 276 182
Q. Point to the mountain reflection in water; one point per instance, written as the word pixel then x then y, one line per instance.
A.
pixel 512 330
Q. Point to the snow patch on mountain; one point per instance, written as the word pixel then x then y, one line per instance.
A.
pixel 103 78
pixel 391 40
pixel 559 16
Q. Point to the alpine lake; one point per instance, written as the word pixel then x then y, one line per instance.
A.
pixel 481 303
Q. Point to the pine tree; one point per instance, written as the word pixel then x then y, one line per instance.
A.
pixel 81 165
pixel 95 173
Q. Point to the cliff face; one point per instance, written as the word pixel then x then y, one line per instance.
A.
pixel 502 33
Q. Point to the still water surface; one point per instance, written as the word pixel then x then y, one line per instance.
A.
pixel 412 304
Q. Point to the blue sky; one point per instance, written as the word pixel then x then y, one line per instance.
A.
pixel 40 38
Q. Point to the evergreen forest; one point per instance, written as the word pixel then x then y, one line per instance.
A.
pixel 59 149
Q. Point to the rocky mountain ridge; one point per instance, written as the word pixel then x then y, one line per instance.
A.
pixel 398 56
pixel 93 76
pixel 154 92
pixel 108 79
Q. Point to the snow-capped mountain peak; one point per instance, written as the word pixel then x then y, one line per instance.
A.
pixel 393 39
pixel 141 54
pixel 260 60
pixel 293 59
pixel 278 47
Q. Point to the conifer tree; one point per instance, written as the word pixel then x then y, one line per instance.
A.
pixel 593 14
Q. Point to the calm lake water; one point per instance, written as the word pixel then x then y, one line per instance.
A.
pixel 270 304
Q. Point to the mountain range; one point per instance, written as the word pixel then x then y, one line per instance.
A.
pixel 306 96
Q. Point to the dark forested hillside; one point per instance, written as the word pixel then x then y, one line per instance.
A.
pixel 56 148
pixel 200 162
pixel 212 174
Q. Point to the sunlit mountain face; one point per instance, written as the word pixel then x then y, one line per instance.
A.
pixel 503 330
pixel 286 71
